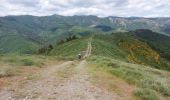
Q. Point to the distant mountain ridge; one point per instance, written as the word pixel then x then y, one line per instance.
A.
pixel 35 31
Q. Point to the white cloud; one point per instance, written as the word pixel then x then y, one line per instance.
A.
pixel 146 8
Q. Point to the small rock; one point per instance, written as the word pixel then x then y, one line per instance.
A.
pixel 55 92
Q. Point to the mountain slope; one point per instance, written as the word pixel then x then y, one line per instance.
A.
pixel 159 42
pixel 122 46
pixel 149 83
pixel 124 56
pixel 125 46
pixel 120 66
pixel 17 44
pixel 70 49
pixel 49 29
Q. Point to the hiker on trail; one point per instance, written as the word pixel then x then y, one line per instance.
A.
pixel 79 56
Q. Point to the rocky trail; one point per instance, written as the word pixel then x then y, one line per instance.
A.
pixel 67 81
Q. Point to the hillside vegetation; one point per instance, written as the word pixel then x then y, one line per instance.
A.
pixel 17 44
pixel 159 42
pixel 150 83
pixel 122 46
pixel 11 64
pixel 70 49
pixel 36 31
pixel 128 56
pixel 125 46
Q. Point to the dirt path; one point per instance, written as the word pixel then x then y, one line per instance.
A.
pixel 89 48
pixel 67 81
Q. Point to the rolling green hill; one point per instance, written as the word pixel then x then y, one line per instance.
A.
pixel 159 42
pixel 127 57
pixel 49 29
pixel 133 57
pixel 121 46
pixel 17 44
pixel 70 49
pixel 125 46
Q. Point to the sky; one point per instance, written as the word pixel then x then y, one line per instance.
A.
pixel 101 8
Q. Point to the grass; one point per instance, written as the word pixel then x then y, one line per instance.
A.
pixel 123 46
pixel 27 62
pixel 23 60
pixel 157 41
pixel 11 63
pixel 152 83
pixel 65 51
pixel 69 50
pixel 134 64
pixel 106 45
pixel 146 94
pixel 15 43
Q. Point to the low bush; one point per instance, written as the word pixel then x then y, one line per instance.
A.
pixel 146 94
pixel 27 62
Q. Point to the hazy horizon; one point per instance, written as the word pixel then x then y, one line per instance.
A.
pixel 87 15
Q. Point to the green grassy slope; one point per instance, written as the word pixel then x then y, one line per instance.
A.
pixel 150 83
pixel 124 46
pixel 106 45
pixel 159 42
pixel 120 54
pixel 17 44
pixel 134 60
pixel 70 49
pixel 13 64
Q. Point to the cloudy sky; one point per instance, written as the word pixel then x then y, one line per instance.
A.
pixel 102 8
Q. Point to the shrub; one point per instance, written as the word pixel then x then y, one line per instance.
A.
pixel 157 86
pixel 146 94
pixel 27 62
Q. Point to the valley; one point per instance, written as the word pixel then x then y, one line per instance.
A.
pixel 121 58
pixel 18 31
